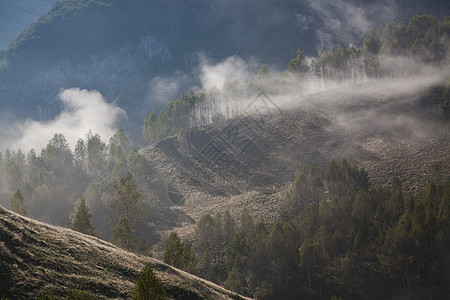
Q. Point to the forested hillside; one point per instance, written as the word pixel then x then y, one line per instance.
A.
pixel 337 233
pixel 53 181
pixel 337 236
pixel 328 178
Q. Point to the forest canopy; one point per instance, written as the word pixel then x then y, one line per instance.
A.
pixel 354 241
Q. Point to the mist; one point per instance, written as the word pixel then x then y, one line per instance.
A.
pixel 83 111
pixel 345 22
pixel 164 89
pixel 232 85
pixel 227 70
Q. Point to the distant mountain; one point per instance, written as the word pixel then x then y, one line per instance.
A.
pixel 119 46
pixel 19 14
pixel 37 258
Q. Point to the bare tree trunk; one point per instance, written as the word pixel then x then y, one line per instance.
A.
pixel 308 271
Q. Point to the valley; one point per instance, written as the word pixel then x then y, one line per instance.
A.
pixel 226 150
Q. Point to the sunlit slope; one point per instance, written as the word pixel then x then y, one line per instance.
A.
pixel 37 257
pixel 392 129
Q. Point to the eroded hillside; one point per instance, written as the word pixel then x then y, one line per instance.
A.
pixel 390 128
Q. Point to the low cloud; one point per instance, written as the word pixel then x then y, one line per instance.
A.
pixel 165 89
pixel 234 67
pixel 83 111
pixel 303 22
pixel 206 75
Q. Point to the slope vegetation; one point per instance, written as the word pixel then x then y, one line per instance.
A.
pixel 37 258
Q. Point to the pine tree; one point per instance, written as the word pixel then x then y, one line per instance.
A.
pixel 371 48
pixel 143 247
pixel 148 286
pixel 82 219
pixel 18 204
pixel 124 236
pixel 179 254
pixel 128 212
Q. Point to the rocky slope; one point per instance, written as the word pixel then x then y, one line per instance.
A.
pixel 36 257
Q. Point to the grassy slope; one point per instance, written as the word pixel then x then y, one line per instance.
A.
pixel 35 257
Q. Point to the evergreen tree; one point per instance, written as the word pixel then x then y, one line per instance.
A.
pixel 148 286
pixel 128 211
pixel 82 219
pixel 57 156
pixel 118 146
pixel 150 131
pixel 18 204
pixel 371 48
pixel 299 64
pixel 80 155
pixel 179 254
pixel 96 151
pixel 123 235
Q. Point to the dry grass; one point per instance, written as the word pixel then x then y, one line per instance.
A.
pixel 37 257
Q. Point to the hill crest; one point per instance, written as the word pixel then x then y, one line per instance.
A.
pixel 36 257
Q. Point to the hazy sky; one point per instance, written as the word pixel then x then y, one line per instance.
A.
pixel 16 15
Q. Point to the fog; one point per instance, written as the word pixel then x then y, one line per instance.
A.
pixel 234 85
pixel 83 111
pixel 237 85
pixel 160 89
pixel 230 69
pixel 344 22
pixel 323 23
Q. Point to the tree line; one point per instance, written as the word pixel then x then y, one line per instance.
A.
pixel 337 237
pixel 399 51
pixel 84 189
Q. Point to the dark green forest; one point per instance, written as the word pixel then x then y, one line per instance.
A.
pixel 338 237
